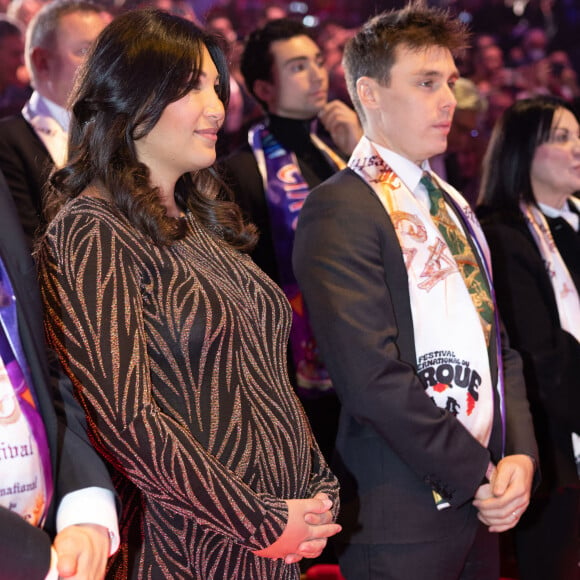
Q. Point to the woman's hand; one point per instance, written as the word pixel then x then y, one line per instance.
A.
pixel 308 527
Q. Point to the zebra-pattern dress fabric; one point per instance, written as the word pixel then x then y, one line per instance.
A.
pixel 178 356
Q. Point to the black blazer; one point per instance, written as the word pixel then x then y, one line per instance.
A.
pixel 394 446
pixel 551 355
pixel 26 164
pixel 24 549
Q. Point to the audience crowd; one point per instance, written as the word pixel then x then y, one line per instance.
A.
pixel 518 50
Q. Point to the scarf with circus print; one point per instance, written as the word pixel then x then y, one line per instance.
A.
pixel 452 353
pixel 565 291
pixel 286 190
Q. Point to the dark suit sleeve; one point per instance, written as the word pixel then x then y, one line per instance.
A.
pixel 26 165
pixel 25 549
pixel 351 272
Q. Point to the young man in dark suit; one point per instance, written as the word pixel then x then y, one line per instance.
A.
pixel 435 450
pixel 72 530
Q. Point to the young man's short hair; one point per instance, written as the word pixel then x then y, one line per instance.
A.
pixel 372 51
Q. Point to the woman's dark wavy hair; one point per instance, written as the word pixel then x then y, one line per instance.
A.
pixel 507 164
pixel 141 62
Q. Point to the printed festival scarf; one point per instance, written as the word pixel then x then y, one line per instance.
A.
pixel 286 190
pixel 26 476
pixel 567 300
pixel 452 355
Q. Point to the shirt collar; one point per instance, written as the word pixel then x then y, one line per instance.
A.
pixel 565 213
pixel 41 105
pixel 408 172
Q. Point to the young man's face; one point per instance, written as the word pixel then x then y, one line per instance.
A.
pixel 300 81
pixel 413 113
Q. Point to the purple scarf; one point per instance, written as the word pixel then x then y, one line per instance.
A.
pixel 12 356
pixel 286 192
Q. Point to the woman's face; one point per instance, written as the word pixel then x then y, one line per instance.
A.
pixel 184 138
pixel 555 172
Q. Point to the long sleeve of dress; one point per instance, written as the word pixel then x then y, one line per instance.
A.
pixel 94 297
pixel 323 480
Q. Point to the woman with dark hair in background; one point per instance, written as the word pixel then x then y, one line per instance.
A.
pixel 530 219
pixel 175 341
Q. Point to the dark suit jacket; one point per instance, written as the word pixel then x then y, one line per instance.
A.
pixel 26 165
pixel 394 446
pixel 551 355
pixel 24 549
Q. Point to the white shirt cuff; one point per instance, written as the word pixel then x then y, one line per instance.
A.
pixel 91 505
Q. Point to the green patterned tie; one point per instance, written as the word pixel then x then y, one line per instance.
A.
pixel 463 254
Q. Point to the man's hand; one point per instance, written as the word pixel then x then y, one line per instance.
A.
pixel 506 497
pixel 82 551
pixel 343 125
pixel 306 532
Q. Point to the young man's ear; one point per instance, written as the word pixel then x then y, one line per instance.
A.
pixel 366 90
pixel 264 90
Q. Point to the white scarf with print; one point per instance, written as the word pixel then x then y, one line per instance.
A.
pixel 452 355
pixel 565 292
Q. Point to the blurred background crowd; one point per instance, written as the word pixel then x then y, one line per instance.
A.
pixel 519 48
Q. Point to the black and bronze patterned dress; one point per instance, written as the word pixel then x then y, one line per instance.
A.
pixel 178 357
